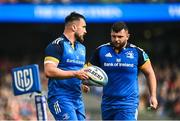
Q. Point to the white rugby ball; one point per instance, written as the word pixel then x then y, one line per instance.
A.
pixel 97 76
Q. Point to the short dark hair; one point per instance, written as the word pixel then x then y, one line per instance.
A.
pixel 73 16
pixel 118 26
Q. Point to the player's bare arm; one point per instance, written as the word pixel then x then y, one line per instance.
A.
pixel 51 70
pixel 152 83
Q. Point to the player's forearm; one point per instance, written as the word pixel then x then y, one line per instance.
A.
pixel 54 72
pixel 151 78
pixel 152 83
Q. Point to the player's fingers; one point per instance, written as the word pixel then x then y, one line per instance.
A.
pixel 82 75
pixel 85 88
pixel 153 102
pixel 85 76
pixel 85 72
pixel 153 105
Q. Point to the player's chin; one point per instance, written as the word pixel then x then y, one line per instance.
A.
pixel 117 46
pixel 81 39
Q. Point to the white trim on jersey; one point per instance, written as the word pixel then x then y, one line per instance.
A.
pixel 48 61
pixel 56 41
pixel 104 45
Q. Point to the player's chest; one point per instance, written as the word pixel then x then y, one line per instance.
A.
pixel 73 55
pixel 124 59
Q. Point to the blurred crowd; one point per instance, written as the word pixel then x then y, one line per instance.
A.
pixel 84 1
pixel 23 107
pixel 17 107
pixel 168 77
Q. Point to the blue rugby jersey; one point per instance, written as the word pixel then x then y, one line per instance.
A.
pixel 69 58
pixel 122 70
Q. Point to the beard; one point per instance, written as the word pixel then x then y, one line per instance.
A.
pixel 118 46
pixel 78 37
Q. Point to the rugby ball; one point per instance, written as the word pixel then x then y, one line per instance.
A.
pixel 97 76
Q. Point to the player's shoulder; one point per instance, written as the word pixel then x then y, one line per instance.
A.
pixel 58 41
pixel 135 47
pixel 104 45
pixel 55 44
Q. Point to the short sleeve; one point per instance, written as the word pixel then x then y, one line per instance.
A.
pixel 94 59
pixel 53 50
pixel 142 57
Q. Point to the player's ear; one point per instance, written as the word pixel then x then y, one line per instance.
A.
pixel 74 27
pixel 128 35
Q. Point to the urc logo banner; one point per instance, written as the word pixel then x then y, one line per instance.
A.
pixel 26 79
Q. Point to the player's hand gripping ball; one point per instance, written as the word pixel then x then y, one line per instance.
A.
pixel 97 76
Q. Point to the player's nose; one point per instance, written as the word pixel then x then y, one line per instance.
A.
pixel 85 31
pixel 117 38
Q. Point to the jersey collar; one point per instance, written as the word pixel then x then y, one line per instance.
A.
pixel 65 38
pixel 127 45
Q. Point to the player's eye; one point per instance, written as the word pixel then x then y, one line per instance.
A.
pixel 120 36
pixel 113 36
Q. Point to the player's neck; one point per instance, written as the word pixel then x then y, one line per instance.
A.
pixel 118 50
pixel 70 36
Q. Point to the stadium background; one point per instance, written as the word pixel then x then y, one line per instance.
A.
pixel 23 43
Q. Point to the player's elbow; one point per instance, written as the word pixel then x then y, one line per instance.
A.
pixel 50 70
pixel 48 73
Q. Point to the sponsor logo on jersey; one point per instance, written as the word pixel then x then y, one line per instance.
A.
pixel 57 108
pixel 118 65
pixel 118 60
pixel 129 54
pixel 75 61
pixel 108 55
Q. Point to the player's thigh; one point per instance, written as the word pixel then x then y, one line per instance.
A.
pixel 126 115
pixel 62 110
pixel 107 114
pixel 117 114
